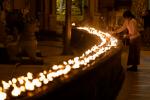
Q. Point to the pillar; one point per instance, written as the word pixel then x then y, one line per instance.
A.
pixel 91 6
pixel 67 28
pixel 93 10
pixel 52 15
pixel 46 14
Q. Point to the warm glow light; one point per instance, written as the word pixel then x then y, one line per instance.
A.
pixel 73 24
pixel 22 88
pixel 21 81
pixel 45 81
pixel 65 63
pixel 55 67
pixel 45 72
pixel 29 86
pixel 5 85
pixel 14 80
pixel 30 75
pixel 49 76
pixel 37 83
pixel 30 82
pixel 3 95
pixel 16 91
pixel 10 82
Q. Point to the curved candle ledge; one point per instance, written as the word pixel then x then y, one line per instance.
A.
pixel 48 81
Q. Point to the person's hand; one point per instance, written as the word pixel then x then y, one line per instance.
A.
pixel 125 36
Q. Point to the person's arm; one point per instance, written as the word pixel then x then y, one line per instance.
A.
pixel 121 28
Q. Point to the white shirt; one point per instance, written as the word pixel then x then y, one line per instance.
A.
pixel 131 25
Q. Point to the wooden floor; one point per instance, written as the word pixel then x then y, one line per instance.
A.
pixel 137 84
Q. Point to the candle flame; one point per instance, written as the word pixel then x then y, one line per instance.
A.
pixel 29 83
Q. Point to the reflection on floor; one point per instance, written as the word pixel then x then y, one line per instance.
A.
pixel 137 84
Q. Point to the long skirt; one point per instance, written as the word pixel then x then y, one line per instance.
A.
pixel 134 51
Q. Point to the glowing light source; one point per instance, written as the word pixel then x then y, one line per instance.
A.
pixel 3 95
pixel 30 83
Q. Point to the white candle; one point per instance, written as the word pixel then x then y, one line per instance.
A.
pixel 3 95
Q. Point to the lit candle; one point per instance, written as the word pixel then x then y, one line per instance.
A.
pixel 44 72
pixel 30 75
pixel 28 83
pixel 60 66
pixel 22 88
pixel 75 66
pixel 21 81
pixel 5 85
pixel 73 24
pixel 3 95
pixel 67 69
pixel 49 76
pixel 55 67
pixel 14 80
pixel 29 86
pixel 37 83
pixel 16 91
pixel 45 81
pixel 65 63
pixel 70 61
pixel 42 77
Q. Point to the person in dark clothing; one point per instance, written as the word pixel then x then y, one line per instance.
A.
pixel 15 26
pixel 130 23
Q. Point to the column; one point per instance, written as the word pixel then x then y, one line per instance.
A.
pixel 91 5
pixel 52 15
pixel 67 32
pixel 46 14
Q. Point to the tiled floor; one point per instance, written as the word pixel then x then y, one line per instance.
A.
pixel 137 84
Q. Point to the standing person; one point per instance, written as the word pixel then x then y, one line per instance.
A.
pixel 130 24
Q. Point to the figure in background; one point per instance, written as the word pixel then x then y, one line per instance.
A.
pixel 130 23
pixel 4 57
pixel 14 25
pixel 28 41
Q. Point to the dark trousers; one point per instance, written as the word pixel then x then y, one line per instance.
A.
pixel 134 52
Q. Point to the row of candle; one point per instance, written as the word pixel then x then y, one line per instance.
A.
pixel 28 83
